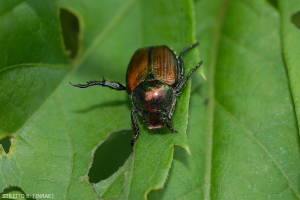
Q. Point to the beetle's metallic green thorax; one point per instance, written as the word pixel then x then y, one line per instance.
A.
pixel 153 99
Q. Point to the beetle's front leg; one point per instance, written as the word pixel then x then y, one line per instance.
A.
pixel 167 119
pixel 104 83
pixel 170 127
pixel 173 106
pixel 135 124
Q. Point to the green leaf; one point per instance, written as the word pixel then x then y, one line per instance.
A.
pixel 153 152
pixel 291 42
pixel 54 127
pixel 32 59
pixel 112 187
pixel 242 134
pixel 245 142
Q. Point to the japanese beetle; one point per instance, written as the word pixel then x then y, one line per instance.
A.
pixel 154 80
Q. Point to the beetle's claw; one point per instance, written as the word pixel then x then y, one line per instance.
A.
pixel 74 85
pixel 171 128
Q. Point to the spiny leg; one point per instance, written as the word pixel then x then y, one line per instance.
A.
pixel 135 124
pixel 193 70
pixel 170 127
pixel 184 81
pixel 104 83
pixel 167 120
pixel 181 62
pixel 172 109
pixel 178 90
pixel 187 48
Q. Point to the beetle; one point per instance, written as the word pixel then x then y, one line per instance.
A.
pixel 155 79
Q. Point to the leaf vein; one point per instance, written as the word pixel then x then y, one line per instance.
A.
pixel 252 136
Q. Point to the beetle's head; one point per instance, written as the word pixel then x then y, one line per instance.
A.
pixel 154 120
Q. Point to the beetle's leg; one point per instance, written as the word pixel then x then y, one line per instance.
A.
pixel 172 109
pixel 135 124
pixel 184 81
pixel 170 127
pixel 166 118
pixel 104 83
pixel 181 62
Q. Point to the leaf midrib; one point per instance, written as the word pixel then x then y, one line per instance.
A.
pixel 211 97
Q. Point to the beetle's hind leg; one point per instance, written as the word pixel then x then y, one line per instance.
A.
pixel 104 83
pixel 181 62
pixel 184 81
pixel 187 48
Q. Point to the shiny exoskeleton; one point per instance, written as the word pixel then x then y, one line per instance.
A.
pixel 155 78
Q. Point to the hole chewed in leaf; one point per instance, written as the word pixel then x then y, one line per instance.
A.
pixel 70 31
pixel 295 19
pixel 5 142
pixel 111 155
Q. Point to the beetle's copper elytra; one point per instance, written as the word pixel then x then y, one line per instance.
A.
pixel 154 80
